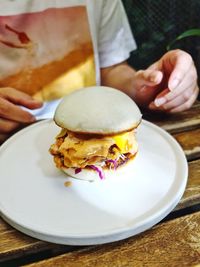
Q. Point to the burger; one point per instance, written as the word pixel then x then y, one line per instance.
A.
pixel 97 136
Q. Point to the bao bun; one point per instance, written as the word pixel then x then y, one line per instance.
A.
pixel 97 110
pixel 100 113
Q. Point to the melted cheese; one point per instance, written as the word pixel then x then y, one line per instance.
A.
pixel 78 152
pixel 126 142
pixel 121 141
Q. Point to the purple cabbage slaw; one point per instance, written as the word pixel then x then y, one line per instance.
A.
pixel 99 169
pixel 95 168
pixel 77 170
pixel 114 161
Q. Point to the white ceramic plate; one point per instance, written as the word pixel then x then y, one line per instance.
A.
pixel 34 199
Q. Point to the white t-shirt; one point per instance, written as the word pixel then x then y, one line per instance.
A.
pixel 50 48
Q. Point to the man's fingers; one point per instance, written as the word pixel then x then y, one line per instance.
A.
pixel 12 112
pixel 186 105
pixel 180 99
pixel 3 137
pixel 188 87
pixel 182 64
pixel 161 98
pixel 148 77
pixel 178 89
pixel 31 104
pixel 19 98
pixel 7 126
pixel 179 103
pixel 185 89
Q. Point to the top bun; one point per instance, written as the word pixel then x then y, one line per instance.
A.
pixel 97 110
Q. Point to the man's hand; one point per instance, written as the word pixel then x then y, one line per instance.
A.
pixel 176 80
pixel 170 84
pixel 12 115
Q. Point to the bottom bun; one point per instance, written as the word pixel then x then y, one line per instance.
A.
pixel 87 174
pixel 91 175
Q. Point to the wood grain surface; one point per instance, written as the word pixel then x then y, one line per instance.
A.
pixel 174 243
pixel 174 123
pixel 15 244
pixel 190 142
pixel 192 193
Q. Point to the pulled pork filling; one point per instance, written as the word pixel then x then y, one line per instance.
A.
pixel 73 150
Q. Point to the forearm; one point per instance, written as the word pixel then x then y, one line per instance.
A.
pixel 120 77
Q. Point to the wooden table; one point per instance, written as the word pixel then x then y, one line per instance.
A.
pixel 173 242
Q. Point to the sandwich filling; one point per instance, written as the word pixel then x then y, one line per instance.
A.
pixel 78 151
